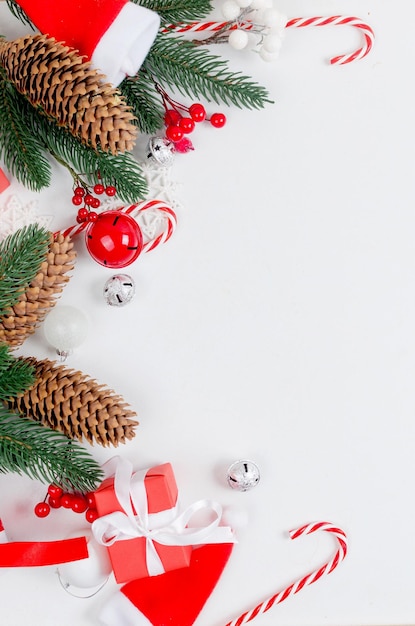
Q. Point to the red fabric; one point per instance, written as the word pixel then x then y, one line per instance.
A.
pixel 34 553
pixel 177 597
pixel 78 23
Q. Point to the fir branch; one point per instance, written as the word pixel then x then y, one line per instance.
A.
pixel 16 375
pixel 173 11
pixel 194 71
pixel 44 454
pixel 18 12
pixel 19 147
pixel 141 95
pixel 21 255
pixel 122 169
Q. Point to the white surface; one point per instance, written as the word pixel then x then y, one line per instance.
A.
pixel 277 324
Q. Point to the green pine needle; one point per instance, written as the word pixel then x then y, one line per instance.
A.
pixel 142 97
pixel 20 149
pixel 173 11
pixel 18 12
pixel 21 255
pixel 194 71
pixel 46 455
pixel 16 375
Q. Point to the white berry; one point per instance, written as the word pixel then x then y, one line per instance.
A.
pixel 267 56
pixel 244 3
pixel 258 4
pixel 238 39
pixel 230 10
pixel 272 43
pixel 270 17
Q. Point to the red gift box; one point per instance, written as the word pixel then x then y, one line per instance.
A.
pixel 4 182
pixel 129 557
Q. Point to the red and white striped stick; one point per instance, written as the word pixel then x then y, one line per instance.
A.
pixel 340 554
pixel 297 22
pixel 339 20
pixel 136 210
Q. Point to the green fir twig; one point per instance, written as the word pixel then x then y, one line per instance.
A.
pixel 16 375
pixel 18 12
pixel 173 11
pixel 141 95
pixel 21 255
pixel 44 454
pixel 194 71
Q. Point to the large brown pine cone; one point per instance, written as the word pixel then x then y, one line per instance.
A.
pixel 76 405
pixel 22 319
pixel 56 79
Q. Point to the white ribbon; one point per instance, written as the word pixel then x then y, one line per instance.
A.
pixel 131 493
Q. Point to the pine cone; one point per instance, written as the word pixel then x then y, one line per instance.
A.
pixel 56 79
pixel 22 319
pixel 72 403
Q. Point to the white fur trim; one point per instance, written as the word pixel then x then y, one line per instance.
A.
pixel 119 611
pixel 124 46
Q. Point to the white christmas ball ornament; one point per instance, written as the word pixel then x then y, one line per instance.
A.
pixel 65 328
pixel 230 10
pixel 238 39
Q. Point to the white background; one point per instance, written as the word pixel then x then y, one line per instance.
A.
pixel 277 324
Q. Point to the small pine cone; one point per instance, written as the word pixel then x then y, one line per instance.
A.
pixel 22 319
pixel 76 405
pixel 56 79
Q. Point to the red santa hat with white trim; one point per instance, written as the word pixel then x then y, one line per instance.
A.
pixel 115 35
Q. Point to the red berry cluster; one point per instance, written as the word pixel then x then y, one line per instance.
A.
pixel 83 196
pixel 57 498
pixel 179 124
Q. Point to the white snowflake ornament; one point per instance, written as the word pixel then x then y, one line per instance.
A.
pixel 14 215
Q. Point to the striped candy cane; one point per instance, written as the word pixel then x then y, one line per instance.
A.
pixel 296 22
pixel 138 210
pixel 338 20
pixel 306 580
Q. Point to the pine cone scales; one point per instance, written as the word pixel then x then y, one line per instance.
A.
pixel 76 405
pixel 56 79
pixel 22 319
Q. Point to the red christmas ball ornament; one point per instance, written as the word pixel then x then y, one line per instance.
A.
pixel 114 239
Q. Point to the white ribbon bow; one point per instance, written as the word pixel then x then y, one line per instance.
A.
pixel 121 525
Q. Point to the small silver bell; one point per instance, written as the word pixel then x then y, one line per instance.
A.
pixel 119 290
pixel 243 475
pixel 160 150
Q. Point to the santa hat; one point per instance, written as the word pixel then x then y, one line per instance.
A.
pixel 175 598
pixel 115 35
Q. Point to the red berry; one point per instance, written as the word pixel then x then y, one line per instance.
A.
pixel 79 220
pixel 90 498
pixel 79 191
pixel 89 199
pixel 92 216
pixel 83 214
pixel 99 188
pixel 172 117
pixel 79 504
pixel 66 500
pixel 187 124
pixel 218 120
pixel 77 200
pixel 42 509
pixel 174 133
pixel 110 190
pixel 197 112
pixel 91 515
pixel 55 491
pixel 55 503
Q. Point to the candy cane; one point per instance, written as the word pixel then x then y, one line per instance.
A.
pixel 306 580
pixel 297 22
pixel 135 210
pixel 338 20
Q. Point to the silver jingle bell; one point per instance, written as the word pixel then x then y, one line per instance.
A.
pixel 119 290
pixel 160 150
pixel 243 475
